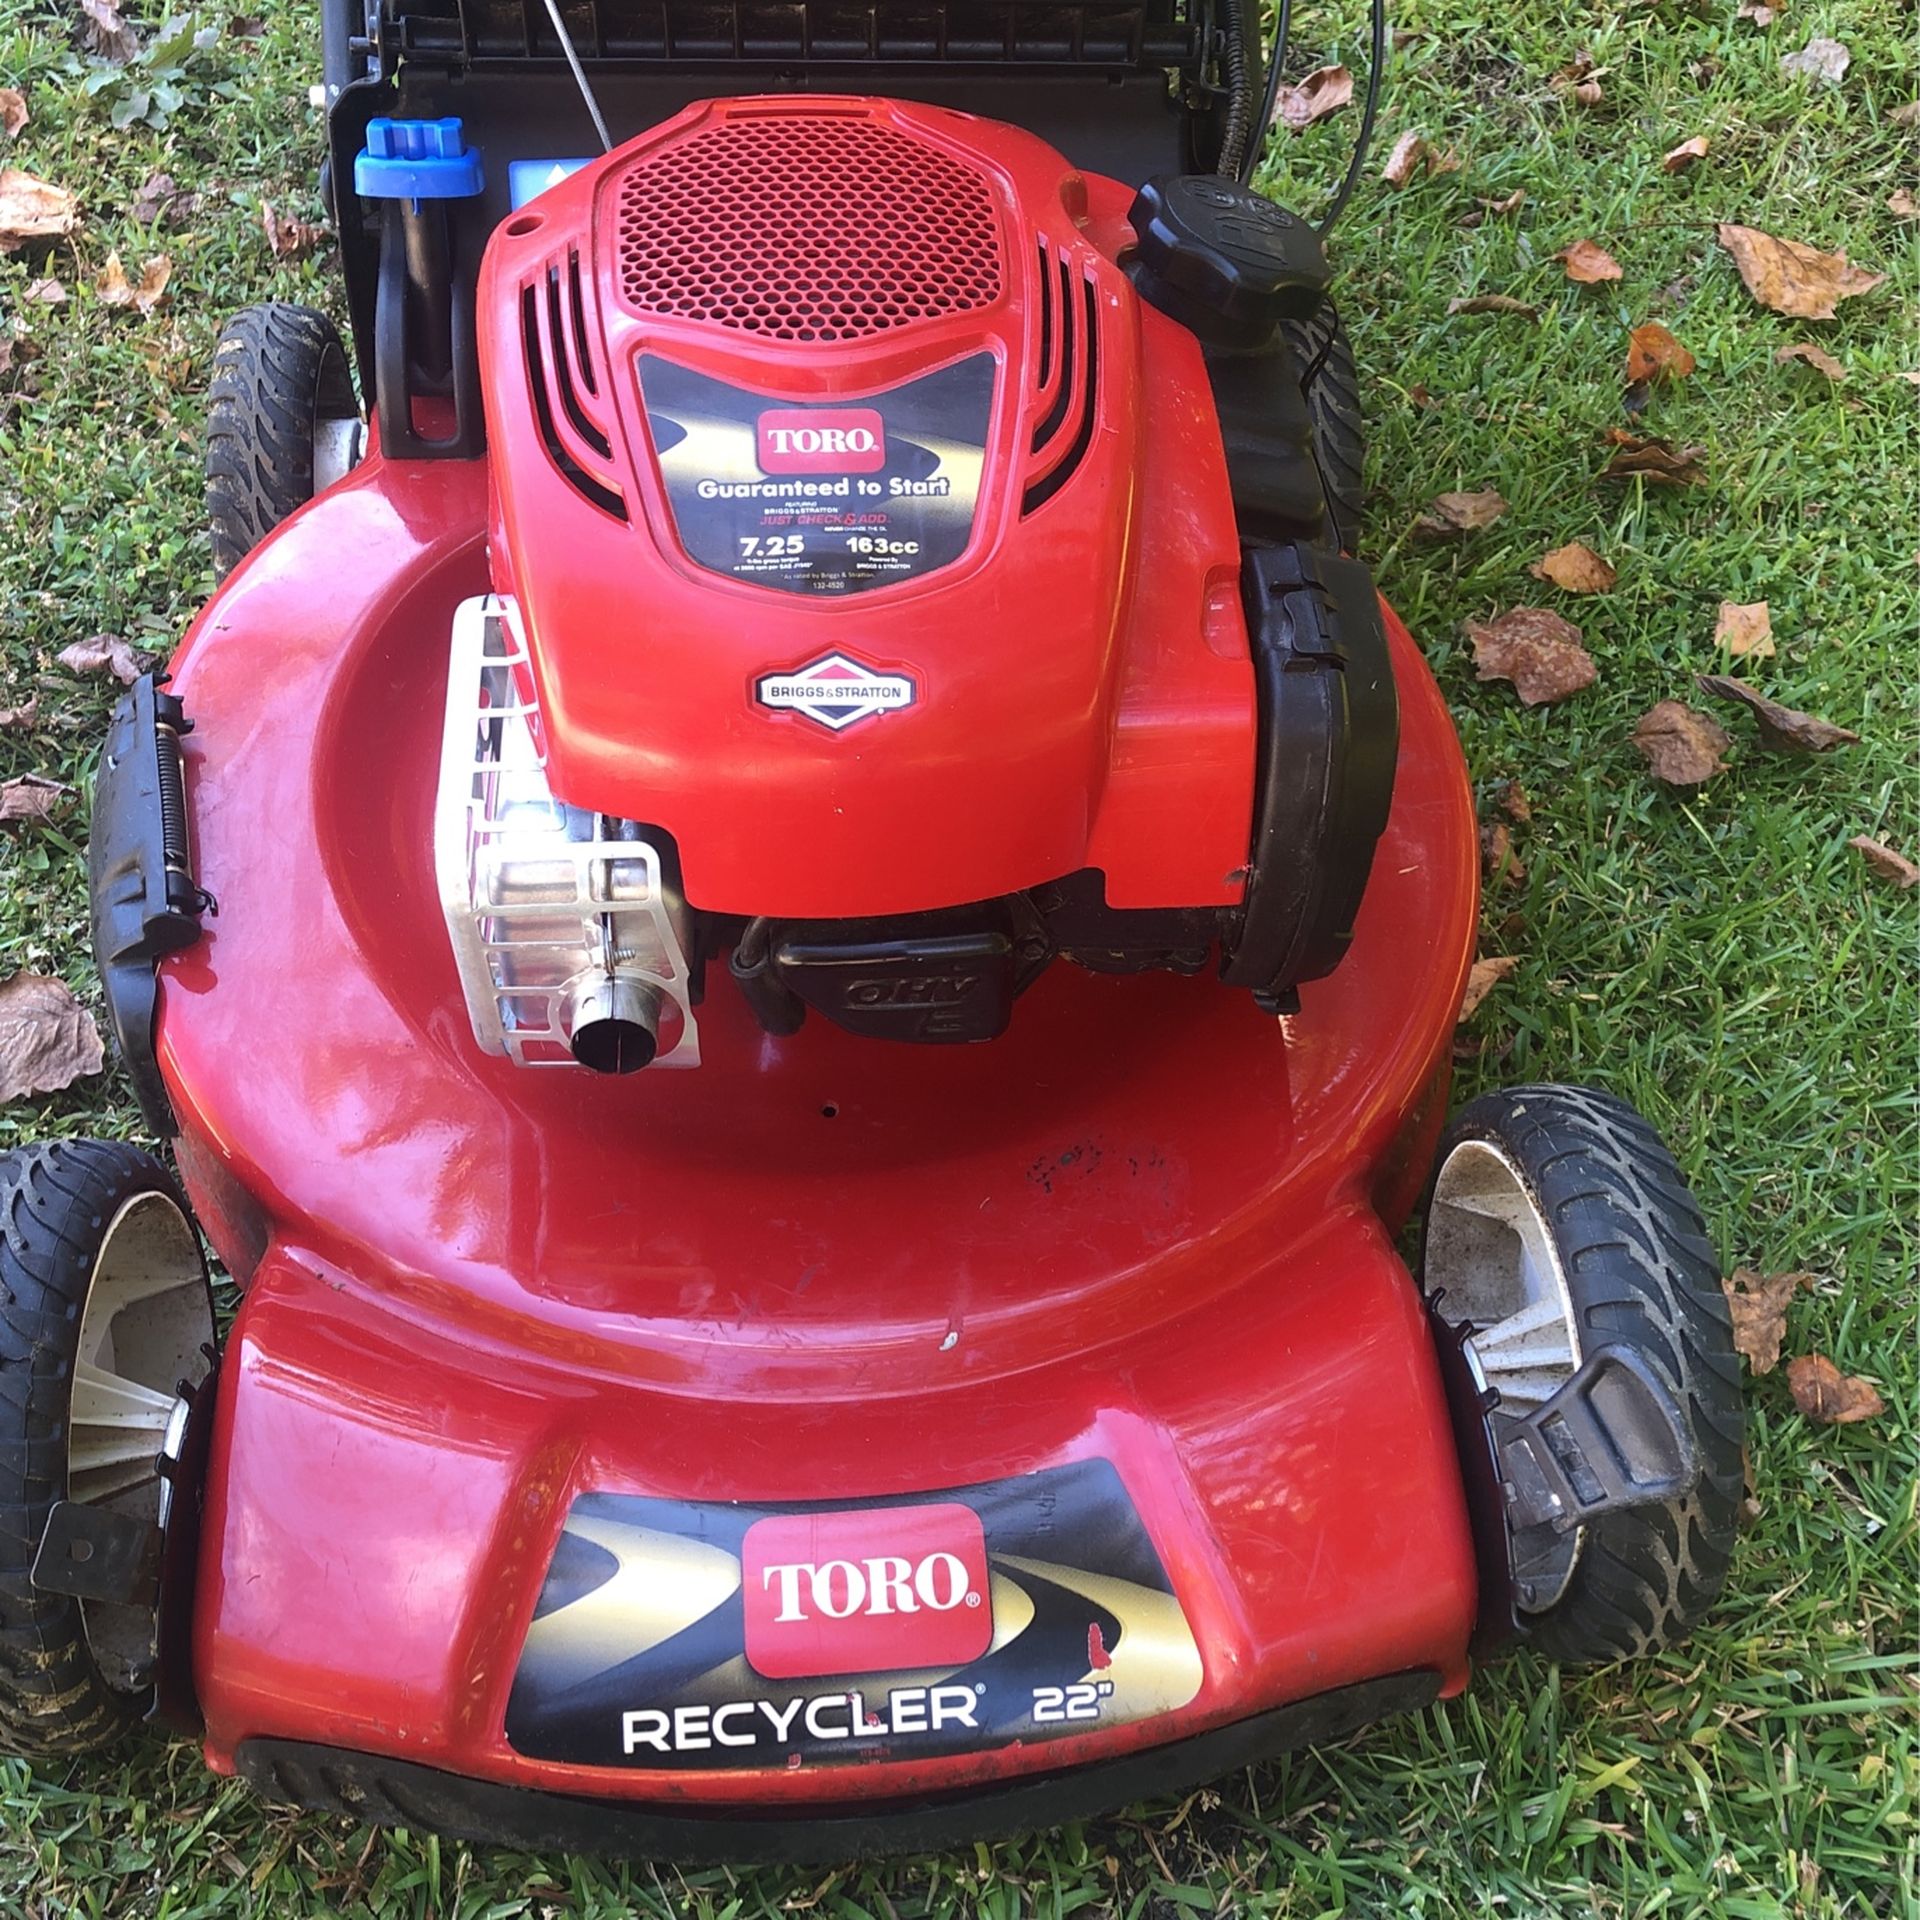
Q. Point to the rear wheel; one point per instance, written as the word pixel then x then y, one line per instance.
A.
pixel 282 423
pixel 1559 1224
pixel 105 1315
pixel 1331 385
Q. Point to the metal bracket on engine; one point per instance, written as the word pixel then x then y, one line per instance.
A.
pixel 1610 1438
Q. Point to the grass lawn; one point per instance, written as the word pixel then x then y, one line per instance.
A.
pixel 1719 955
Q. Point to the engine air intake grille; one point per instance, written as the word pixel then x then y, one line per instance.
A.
pixel 803 226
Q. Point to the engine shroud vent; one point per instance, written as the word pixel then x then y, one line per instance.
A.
pixel 806 226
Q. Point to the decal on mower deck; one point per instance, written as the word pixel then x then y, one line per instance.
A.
pixel 824 499
pixel 682 1634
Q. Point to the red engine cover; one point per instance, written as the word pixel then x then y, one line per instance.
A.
pixel 872 538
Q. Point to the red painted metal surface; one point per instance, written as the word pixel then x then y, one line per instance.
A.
pixel 1084 692
pixel 1140 1226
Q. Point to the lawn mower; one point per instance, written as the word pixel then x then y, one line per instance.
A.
pixel 795 927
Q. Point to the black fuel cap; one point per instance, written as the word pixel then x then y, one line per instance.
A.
pixel 1222 259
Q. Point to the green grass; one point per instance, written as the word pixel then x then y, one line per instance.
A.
pixel 1720 957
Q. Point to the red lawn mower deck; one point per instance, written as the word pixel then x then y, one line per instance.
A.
pixel 798 932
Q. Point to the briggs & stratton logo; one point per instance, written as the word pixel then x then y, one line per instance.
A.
pixel 834 690
pixel 821 440
pixel 884 1590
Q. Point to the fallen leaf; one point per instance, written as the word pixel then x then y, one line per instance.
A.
pixel 1511 204
pixel 1415 153
pixel 159 199
pixel 1902 205
pixel 1819 59
pixel 1681 747
pixel 1884 861
pixel 1518 807
pixel 1535 649
pixel 33 209
pixel 1759 1310
pixel 24 715
pixel 1659 462
pixel 1826 1395
pixel 1575 568
pixel 47 1038
pixel 1449 514
pixel 288 238
pixel 1588 264
pixel 114 289
pixel 1504 867
pixel 107 34
pixel 1761 14
pixel 45 293
pixel 1911 376
pixel 1814 357
pixel 1655 356
pixel 1679 159
pixel 1482 977
pixel 1325 90
pixel 104 653
pixel 1493 303
pixel 246 26
pixel 13 111
pixel 1782 729
pixel 1791 278
pixel 1417 395
pixel 1581 78
pixel 1907 116
pixel 1744 630
pixel 31 797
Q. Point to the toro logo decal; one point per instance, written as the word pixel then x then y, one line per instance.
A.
pixel 890 1589
pixel 835 691
pixel 821 440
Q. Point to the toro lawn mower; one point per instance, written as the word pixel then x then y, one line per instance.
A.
pixel 839 920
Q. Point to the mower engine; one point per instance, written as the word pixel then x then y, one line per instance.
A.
pixel 910 567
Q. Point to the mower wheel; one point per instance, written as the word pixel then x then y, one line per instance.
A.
pixel 1332 389
pixel 1558 1224
pixel 282 423
pixel 105 1316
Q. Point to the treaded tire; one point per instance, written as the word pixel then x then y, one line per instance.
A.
pixel 1331 385
pixel 56 1203
pixel 278 368
pixel 1640 1272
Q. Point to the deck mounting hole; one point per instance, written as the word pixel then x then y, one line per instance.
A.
pixel 830 1111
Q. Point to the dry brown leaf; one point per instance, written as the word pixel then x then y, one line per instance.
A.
pixel 1482 977
pixel 1415 153
pixel 1902 205
pixel 1826 1395
pixel 45 293
pixel 1745 629
pixel 13 111
pixel 1819 59
pixel 1588 264
pixel 104 653
pixel 1911 376
pixel 1791 278
pixel 113 289
pixel 1655 356
pixel 1659 462
pixel 288 238
pixel 1759 1310
pixel 1514 800
pixel 1535 649
pixel 32 797
pixel 1759 12
pixel 1575 568
pixel 47 1038
pixel 1679 159
pixel 1504 867
pixel 1906 117
pixel 1782 729
pixel 1580 78
pixel 33 209
pixel 1814 357
pixel 1884 861
pixel 1493 303
pixel 1681 747
pixel 160 199
pixel 24 715
pixel 1511 204
pixel 1325 90
pixel 1449 514
pixel 107 34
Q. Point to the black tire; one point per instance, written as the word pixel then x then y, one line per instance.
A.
pixel 56 1203
pixel 277 370
pixel 1332 388
pixel 1641 1272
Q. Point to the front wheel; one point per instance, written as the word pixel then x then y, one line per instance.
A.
pixel 1559 1224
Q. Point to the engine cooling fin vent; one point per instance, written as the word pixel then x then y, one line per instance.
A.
pixel 1067 385
pixel 806 226
pixel 568 393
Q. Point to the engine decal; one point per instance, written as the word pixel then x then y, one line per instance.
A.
pixel 821 499
pixel 681 1634
pixel 835 691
